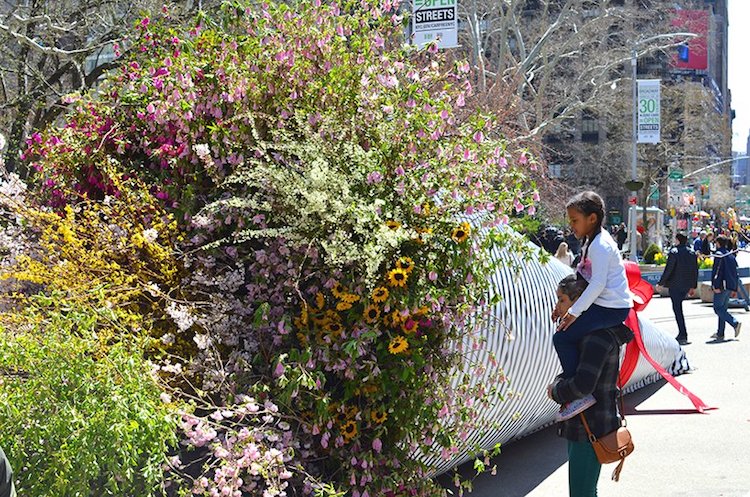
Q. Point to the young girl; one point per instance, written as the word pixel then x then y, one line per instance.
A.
pixel 606 300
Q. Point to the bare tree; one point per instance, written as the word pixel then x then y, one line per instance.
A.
pixel 49 48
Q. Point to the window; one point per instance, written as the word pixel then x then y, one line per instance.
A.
pixel 555 170
pixel 589 128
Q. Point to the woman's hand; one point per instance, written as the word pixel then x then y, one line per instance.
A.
pixel 565 321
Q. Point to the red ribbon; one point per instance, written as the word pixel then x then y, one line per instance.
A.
pixel 642 292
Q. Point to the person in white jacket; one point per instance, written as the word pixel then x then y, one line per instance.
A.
pixel 605 303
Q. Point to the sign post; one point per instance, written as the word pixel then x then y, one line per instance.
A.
pixel 435 20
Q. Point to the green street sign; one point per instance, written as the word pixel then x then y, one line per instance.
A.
pixel 676 174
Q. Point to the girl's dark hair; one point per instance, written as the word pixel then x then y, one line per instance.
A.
pixel 723 241
pixel 572 286
pixel 588 203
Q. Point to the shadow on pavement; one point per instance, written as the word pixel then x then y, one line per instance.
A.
pixel 524 464
pixel 521 466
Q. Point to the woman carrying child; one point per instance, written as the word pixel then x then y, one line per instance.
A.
pixel 598 374
pixel 606 301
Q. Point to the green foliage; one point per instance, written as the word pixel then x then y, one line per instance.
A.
pixel 79 417
pixel 650 253
pixel 528 225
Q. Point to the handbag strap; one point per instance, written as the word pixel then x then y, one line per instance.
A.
pixel 592 438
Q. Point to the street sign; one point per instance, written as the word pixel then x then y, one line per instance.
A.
pixel 435 20
pixel 676 173
pixel 649 110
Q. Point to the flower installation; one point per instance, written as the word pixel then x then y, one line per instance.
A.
pixel 290 207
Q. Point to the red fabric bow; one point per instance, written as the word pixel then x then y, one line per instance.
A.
pixel 642 293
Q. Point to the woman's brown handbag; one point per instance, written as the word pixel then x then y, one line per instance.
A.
pixel 612 447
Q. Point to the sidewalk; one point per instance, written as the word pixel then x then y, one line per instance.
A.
pixel 679 453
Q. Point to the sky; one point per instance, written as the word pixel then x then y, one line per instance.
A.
pixel 739 70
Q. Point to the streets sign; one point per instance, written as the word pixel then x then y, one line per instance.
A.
pixel 649 110
pixel 435 20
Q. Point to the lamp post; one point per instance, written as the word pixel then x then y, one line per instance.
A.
pixel 634 185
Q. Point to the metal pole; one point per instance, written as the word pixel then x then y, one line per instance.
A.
pixel 633 159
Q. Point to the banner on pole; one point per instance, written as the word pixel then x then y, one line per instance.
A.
pixel 435 20
pixel 649 110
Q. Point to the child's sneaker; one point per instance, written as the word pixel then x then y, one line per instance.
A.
pixel 574 408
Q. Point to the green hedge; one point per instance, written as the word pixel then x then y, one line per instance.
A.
pixel 79 416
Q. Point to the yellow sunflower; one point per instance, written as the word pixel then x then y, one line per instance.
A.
pixel 343 306
pixel 349 297
pixel 304 315
pixel 395 318
pixel 372 313
pixel 338 290
pixel 378 417
pixel 394 225
pixel 351 412
pixel 332 316
pixel 398 345
pixel 320 301
pixel 421 312
pixel 380 294
pixel 461 233
pixel 406 264
pixel 409 326
pixel 397 277
pixel 349 430
pixel 334 329
pixel 302 339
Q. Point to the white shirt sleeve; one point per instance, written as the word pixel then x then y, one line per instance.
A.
pixel 599 258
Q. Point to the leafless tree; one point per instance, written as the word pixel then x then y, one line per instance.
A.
pixel 49 48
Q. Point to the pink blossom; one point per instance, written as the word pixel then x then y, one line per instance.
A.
pixel 531 210
pixel 374 177
pixel 377 445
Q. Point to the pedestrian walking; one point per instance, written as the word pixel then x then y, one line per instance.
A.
pixel 621 235
pixel 681 277
pixel 698 242
pixel 564 255
pixel 605 302
pixel 707 245
pixel 724 281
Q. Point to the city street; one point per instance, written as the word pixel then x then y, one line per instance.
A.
pixel 679 452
